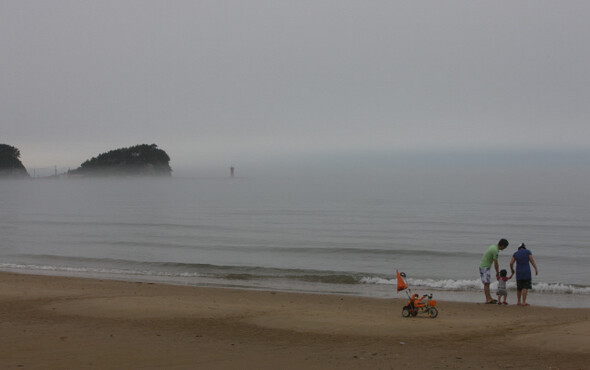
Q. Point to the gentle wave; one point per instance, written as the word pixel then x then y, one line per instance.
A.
pixel 245 273
pixel 561 289
pixel 98 224
pixel 458 285
pixel 90 270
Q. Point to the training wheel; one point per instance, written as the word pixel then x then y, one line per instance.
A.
pixel 405 312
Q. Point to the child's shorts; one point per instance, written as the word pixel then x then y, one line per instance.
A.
pixel 502 292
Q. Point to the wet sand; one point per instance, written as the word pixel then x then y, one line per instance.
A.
pixel 74 323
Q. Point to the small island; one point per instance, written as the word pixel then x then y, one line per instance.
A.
pixel 139 160
pixel 10 164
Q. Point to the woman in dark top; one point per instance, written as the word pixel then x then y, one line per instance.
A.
pixel 523 257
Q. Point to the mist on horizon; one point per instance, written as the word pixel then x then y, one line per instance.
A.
pixel 481 100
pixel 459 176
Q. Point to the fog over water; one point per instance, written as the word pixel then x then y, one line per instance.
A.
pixel 457 176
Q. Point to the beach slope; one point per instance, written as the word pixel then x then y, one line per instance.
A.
pixel 62 322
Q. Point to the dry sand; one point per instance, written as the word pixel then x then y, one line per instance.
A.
pixel 73 323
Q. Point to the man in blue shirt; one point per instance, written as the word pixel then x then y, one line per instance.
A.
pixel 523 257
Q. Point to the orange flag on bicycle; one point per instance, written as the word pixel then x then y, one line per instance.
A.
pixel 401 284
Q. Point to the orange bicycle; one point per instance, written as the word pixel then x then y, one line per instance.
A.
pixel 416 304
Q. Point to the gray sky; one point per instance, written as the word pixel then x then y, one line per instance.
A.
pixel 216 83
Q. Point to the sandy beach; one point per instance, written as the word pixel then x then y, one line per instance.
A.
pixel 72 323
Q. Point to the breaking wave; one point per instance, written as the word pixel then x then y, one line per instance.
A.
pixel 184 271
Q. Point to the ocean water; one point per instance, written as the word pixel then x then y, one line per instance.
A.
pixel 284 234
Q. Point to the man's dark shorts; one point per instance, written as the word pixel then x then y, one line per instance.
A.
pixel 523 284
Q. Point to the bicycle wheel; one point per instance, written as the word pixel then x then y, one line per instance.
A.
pixel 432 312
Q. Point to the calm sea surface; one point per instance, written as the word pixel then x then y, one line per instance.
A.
pixel 307 236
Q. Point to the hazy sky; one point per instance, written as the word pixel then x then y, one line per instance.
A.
pixel 220 83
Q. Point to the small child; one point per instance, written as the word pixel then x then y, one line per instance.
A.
pixel 502 291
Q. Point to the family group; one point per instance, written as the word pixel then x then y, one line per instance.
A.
pixel 523 259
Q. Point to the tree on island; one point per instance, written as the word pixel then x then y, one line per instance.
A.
pixel 139 160
pixel 10 164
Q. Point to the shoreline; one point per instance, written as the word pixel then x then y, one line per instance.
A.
pixel 382 291
pixel 72 322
